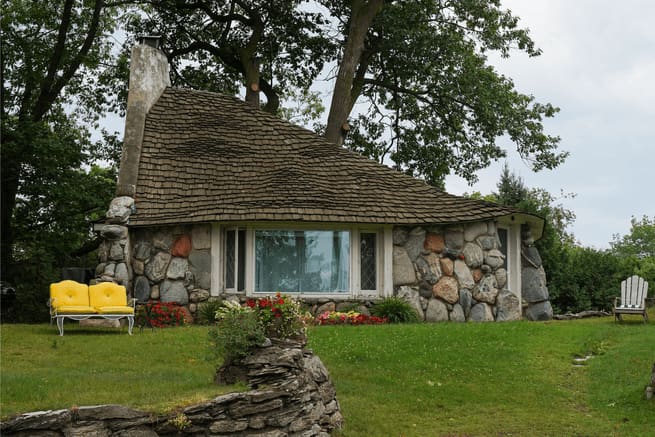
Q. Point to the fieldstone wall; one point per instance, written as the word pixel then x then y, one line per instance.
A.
pixel 451 273
pixel 169 264
pixel 172 264
pixel 457 273
pixel 293 396
pixel 533 280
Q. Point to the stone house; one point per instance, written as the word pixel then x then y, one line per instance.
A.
pixel 218 198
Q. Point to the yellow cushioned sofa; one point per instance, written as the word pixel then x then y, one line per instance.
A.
pixel 72 300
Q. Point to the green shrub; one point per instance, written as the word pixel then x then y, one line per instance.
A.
pixel 280 315
pixel 237 331
pixel 395 310
pixel 206 312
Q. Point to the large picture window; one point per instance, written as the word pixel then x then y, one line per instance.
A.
pixel 302 261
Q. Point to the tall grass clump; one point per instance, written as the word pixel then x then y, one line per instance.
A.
pixel 206 313
pixel 395 310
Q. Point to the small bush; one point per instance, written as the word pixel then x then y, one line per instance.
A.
pixel 239 328
pixel 280 315
pixel 395 310
pixel 206 312
pixel 236 332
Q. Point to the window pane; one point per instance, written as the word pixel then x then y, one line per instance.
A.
pixel 241 264
pixel 368 264
pixel 230 258
pixel 302 261
pixel 502 236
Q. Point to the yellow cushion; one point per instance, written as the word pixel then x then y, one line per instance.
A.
pixel 69 293
pixel 75 309
pixel 115 310
pixel 107 294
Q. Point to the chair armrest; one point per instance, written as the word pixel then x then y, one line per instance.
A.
pixel 616 301
pixel 133 302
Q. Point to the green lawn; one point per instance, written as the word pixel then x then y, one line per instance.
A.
pixel 151 370
pixel 447 379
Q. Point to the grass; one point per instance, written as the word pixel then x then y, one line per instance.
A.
pixel 447 379
pixel 153 370
pixel 492 379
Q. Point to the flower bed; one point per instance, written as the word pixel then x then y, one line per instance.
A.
pixel 349 318
pixel 157 314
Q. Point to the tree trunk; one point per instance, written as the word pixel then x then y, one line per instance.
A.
pixel 10 178
pixel 362 15
pixel 251 67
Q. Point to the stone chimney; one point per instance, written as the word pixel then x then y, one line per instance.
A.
pixel 148 79
pixel 149 76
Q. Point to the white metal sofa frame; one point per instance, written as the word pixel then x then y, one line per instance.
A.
pixel 86 314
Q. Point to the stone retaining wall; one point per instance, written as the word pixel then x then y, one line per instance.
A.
pixel 293 396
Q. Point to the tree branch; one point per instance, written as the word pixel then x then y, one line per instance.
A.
pixel 47 97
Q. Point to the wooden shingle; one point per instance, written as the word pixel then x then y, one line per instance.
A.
pixel 209 157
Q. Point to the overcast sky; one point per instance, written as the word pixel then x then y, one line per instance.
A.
pixel 598 67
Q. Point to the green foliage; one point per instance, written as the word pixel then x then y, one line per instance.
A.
pixel 55 89
pixel 584 278
pixel 206 313
pixel 31 280
pixel 640 242
pixel 239 329
pixel 636 250
pixel 437 107
pixel 579 278
pixel 280 45
pixel 280 315
pixel 395 310
pixel 235 333
pixel 555 244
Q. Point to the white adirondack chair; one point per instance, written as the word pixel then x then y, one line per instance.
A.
pixel 633 298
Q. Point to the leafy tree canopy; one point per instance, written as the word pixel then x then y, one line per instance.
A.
pixel 54 89
pixel 427 100
pixel 639 242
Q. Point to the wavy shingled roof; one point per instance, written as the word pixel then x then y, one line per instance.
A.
pixel 208 157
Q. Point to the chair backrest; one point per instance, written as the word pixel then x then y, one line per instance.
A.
pixel 633 292
pixel 107 294
pixel 69 292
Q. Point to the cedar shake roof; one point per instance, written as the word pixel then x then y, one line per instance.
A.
pixel 208 157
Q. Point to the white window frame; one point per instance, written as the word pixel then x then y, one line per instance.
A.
pixel 235 229
pixel 384 248
pixel 513 257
